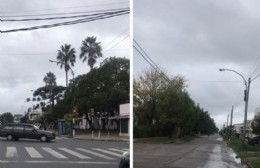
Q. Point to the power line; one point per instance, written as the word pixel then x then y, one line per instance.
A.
pixel 116 43
pixel 212 81
pixel 64 17
pixel 150 61
pixel 147 56
pixel 65 13
pixel 66 23
pixel 146 59
pixel 27 53
pixel 105 4
pixel 111 42
pixel 252 71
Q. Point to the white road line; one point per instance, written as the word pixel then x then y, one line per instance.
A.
pixel 74 153
pixel 95 154
pixel 54 153
pixel 107 152
pixel 33 152
pixel 58 162
pixel 117 150
pixel 11 152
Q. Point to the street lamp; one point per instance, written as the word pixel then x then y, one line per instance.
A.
pixel 72 72
pixel 247 84
pixel 74 110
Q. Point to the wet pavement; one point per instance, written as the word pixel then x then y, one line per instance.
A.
pixel 203 152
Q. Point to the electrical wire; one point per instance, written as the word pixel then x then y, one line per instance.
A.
pixel 67 23
pixel 111 42
pixel 116 44
pixel 147 55
pixel 149 61
pixel 67 13
pixel 105 4
pixel 253 69
pixel 64 17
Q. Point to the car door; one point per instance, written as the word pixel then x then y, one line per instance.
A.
pixel 18 131
pixel 30 132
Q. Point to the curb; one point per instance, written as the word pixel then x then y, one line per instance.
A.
pixel 249 165
pixel 101 139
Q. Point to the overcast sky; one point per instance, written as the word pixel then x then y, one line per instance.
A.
pixel 24 55
pixel 194 38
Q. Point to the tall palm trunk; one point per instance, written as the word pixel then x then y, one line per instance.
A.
pixel 66 71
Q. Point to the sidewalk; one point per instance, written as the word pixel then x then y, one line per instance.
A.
pixel 102 138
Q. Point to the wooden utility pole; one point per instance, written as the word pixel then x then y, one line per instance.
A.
pixel 231 120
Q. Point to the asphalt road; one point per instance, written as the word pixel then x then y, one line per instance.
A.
pixel 61 153
pixel 203 152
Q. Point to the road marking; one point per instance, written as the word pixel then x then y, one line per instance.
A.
pixel 117 150
pixel 54 153
pixel 33 152
pixel 95 153
pixel 74 153
pixel 58 162
pixel 11 152
pixel 107 152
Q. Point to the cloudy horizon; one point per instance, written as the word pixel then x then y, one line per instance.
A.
pixel 194 39
pixel 25 55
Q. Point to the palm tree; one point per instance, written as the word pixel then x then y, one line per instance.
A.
pixel 50 79
pixel 66 58
pixel 90 51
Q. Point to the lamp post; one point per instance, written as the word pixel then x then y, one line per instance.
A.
pixel 74 110
pixel 247 84
pixel 72 72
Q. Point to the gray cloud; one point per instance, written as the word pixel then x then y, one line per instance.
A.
pixel 24 55
pixel 196 38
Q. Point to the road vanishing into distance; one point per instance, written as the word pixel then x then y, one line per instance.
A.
pixel 204 152
pixel 61 153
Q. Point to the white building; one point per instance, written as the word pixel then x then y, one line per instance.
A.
pixel 124 119
pixel 238 128
pixel 33 114
pixel 17 118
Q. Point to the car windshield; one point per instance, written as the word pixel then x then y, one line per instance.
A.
pixel 35 127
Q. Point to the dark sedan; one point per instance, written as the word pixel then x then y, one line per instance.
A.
pixel 125 160
pixel 15 131
pixel 254 140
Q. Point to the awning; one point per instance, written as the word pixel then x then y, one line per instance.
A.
pixel 119 117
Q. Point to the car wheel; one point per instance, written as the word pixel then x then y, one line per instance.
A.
pixel 10 137
pixel 44 138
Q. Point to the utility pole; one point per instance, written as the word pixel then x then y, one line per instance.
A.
pixel 227 124
pixel 246 107
pixel 231 120
pixel 227 119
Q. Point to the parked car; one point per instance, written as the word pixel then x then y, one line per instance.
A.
pixel 15 131
pixel 125 160
pixel 254 140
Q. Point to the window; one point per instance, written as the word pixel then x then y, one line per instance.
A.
pixel 28 128
pixel 18 127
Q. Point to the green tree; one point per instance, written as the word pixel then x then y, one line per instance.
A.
pixel 205 124
pixel 6 117
pixel 162 107
pixel 50 84
pixel 50 79
pixel 90 51
pixel 102 89
pixel 147 90
pixel 66 58
pixel 256 124
pixel 49 91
